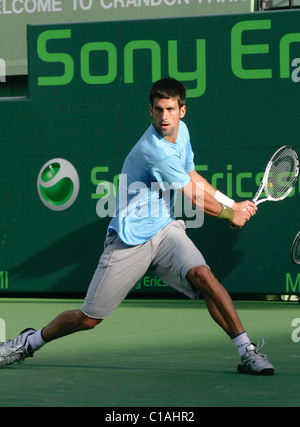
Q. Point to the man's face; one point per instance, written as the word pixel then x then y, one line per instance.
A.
pixel 166 116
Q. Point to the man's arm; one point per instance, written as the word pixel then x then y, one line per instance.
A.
pixel 201 195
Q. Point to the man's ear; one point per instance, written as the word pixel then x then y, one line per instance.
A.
pixel 182 111
pixel 151 110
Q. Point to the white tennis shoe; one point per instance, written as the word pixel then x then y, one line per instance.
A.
pixel 17 350
pixel 253 362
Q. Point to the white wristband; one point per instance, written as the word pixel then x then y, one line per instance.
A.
pixel 222 198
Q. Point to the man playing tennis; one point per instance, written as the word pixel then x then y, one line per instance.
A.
pixel 144 235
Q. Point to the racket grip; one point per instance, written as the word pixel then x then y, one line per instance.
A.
pixel 235 227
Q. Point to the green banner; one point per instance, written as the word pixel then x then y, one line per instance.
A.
pixel 63 146
pixel 15 15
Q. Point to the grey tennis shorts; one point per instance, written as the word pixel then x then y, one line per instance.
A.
pixel 170 254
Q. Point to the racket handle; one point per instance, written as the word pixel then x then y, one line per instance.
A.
pixel 234 227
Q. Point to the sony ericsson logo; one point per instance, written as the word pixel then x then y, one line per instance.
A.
pixel 58 184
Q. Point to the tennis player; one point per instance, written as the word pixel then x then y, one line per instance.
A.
pixel 145 235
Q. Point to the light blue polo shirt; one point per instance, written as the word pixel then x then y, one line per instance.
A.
pixel 152 173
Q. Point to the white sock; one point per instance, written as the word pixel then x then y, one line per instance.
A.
pixel 241 341
pixel 36 341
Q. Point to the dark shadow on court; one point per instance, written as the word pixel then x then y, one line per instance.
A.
pixel 66 266
pixel 128 368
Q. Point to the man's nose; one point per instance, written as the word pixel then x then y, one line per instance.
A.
pixel 165 114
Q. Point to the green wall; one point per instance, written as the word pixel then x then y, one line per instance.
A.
pixel 87 103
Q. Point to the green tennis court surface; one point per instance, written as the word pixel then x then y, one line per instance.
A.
pixel 154 353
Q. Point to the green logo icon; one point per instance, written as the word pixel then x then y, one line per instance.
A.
pixel 58 184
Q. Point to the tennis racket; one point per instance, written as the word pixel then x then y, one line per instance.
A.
pixel 295 249
pixel 279 178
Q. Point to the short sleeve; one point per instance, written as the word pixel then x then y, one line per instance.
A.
pixel 189 162
pixel 170 174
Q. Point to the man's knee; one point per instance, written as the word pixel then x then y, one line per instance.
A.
pixel 88 322
pixel 200 277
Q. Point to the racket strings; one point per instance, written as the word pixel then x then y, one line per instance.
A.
pixel 296 249
pixel 297 252
pixel 282 173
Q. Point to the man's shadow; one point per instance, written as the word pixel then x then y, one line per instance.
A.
pixel 79 252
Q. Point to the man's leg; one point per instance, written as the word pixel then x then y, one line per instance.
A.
pixel 222 310
pixel 30 340
pixel 67 323
pixel 119 268
pixel 218 301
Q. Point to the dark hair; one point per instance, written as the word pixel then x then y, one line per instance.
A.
pixel 168 88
